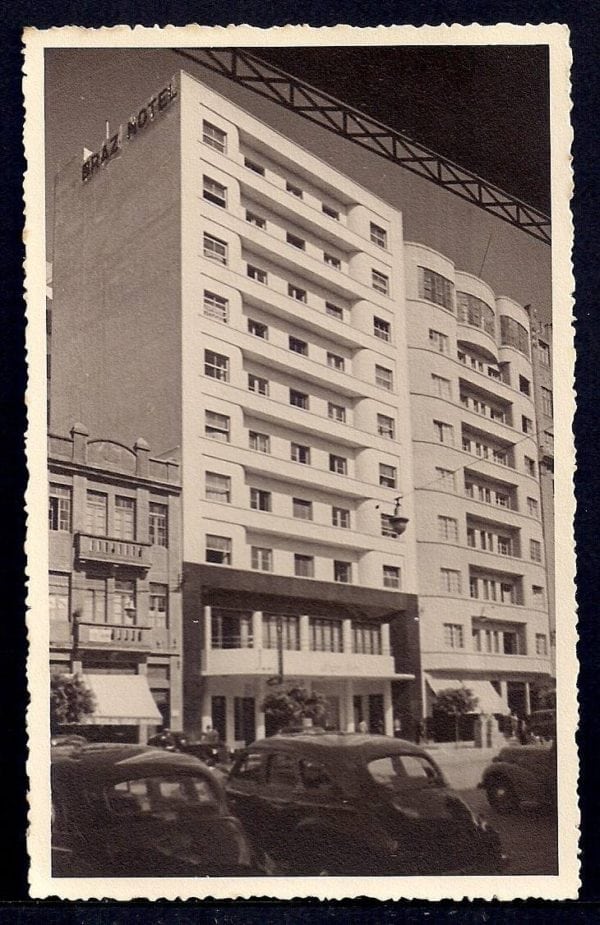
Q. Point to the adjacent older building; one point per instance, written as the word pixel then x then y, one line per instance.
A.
pixel 115 577
pixel 259 316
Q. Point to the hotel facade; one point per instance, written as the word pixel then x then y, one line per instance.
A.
pixel 337 400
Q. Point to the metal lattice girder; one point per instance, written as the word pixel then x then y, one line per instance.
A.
pixel 319 107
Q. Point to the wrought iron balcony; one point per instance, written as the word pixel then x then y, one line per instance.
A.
pixel 91 548
pixel 113 636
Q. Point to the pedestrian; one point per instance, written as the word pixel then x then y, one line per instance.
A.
pixel 362 726
pixel 211 736
pixel 522 732
pixel 397 728
pixel 419 731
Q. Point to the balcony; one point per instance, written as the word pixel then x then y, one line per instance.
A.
pixel 263 662
pixel 113 636
pixel 90 548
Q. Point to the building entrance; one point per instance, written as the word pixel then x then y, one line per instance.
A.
pixel 244 721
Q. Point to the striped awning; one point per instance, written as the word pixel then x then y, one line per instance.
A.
pixel 121 700
pixel 488 699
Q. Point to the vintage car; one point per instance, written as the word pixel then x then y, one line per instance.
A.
pixel 137 811
pixel 521 775
pixel 356 804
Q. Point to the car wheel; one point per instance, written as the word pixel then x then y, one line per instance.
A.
pixel 502 796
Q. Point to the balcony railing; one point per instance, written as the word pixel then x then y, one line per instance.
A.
pixel 113 636
pixel 113 551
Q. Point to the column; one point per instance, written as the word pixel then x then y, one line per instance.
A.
pixel 527 698
pixel 304 633
pixel 206 719
pixel 207 637
pixel 347 636
pixel 385 638
pixel 348 705
pixel 259 713
pixel 504 691
pixel 142 727
pixel 229 721
pixel 388 712
pixel 257 636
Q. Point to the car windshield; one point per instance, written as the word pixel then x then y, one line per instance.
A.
pixel 402 772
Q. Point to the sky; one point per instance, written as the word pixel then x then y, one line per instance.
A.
pixel 485 107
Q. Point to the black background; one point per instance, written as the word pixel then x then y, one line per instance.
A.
pixel 583 19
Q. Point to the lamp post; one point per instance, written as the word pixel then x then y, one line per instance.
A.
pixel 278 678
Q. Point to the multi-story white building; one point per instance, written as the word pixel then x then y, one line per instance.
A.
pixel 224 292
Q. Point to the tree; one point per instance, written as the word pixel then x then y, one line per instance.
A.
pixel 456 702
pixel 70 700
pixel 289 708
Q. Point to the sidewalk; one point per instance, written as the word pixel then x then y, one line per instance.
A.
pixel 463 766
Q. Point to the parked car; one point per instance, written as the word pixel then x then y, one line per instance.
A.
pixel 356 804
pixel 208 752
pixel 542 723
pixel 519 775
pixel 133 810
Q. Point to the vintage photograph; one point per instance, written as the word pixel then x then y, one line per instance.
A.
pixel 295 612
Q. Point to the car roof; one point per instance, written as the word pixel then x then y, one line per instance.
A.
pixel 115 761
pixel 347 745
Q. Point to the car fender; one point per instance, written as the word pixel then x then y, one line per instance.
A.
pixel 372 836
pixel 525 784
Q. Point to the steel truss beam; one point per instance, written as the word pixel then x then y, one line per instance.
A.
pixel 324 110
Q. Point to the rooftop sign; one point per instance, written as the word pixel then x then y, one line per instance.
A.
pixel 112 146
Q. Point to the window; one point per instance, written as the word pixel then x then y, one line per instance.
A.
pixel 384 378
pixel 336 412
pixel 258 329
pixel 215 248
pixel 332 261
pixel 446 478
pixel 214 137
pixel 158 524
pixel 541 644
pixel 216 426
pixel 391 576
pixel 547 402
pixel 378 235
pixel 124 528
pixel 544 353
pixel 304 566
pixel 366 638
pixel 59 508
pixel 338 464
pixel 259 442
pixel 342 572
pixel 450 581
pixel 158 606
pixel 96 513
pixel 340 517
pixel 526 425
pixel 448 529
pixel 475 312
pixel 505 545
pixel 441 386
pixel 258 384
pixel 532 507
pixel 295 241
pixel 218 549
pixel 295 292
pixel 299 399
pixel 535 550
pixel 387 525
pixel 94 601
pixel 436 288
pixel 454 636
pixel 254 219
pixel 325 635
pixel 335 361
pixel 444 433
pixel 439 341
pixel 334 311
pixel 214 192
pixel 260 500
pixel 294 190
pixel 59 597
pixel 218 487
pixel 387 475
pixel 215 306
pixel 380 282
pixel 261 558
pixel 300 454
pixel 529 465
pixel 524 385
pixel 513 334
pixel 298 346
pixel 330 211
pixel 386 426
pixel 302 509
pixel 290 630
pixel 216 366
pixel 471 537
pixel 473 583
pixel 255 273
pixel 254 167
pixel 382 329
pixel 124 602
pixel 538 595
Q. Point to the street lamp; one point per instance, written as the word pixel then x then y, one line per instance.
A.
pixel 278 679
pixel 399 521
